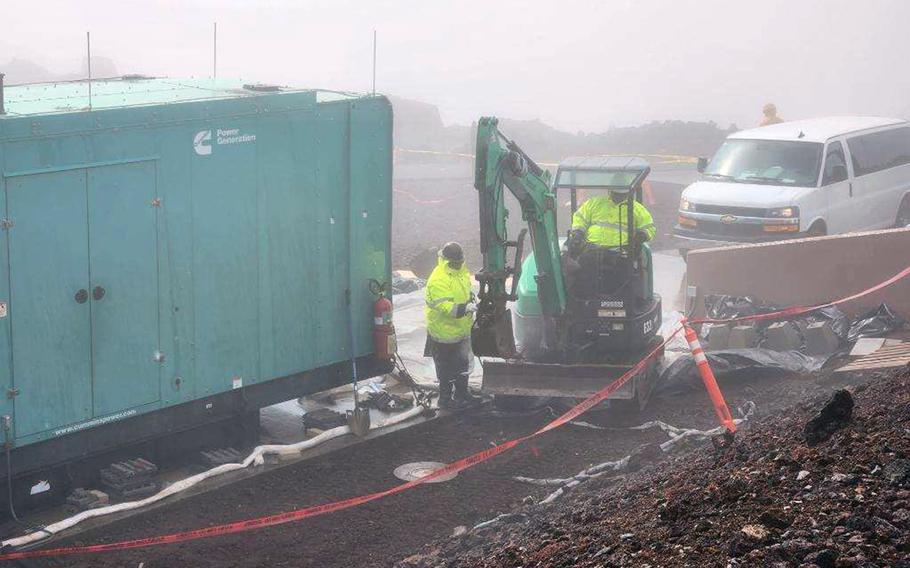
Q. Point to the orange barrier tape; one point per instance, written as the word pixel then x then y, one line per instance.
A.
pixel 296 515
pixel 707 377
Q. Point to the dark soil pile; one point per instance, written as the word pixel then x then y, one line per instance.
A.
pixel 767 499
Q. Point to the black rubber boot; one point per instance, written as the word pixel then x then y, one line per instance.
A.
pixel 445 395
pixel 463 393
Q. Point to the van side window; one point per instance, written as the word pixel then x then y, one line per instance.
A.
pixel 880 150
pixel 835 164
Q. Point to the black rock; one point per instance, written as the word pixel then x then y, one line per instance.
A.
pixel 825 558
pixel 774 520
pixel 857 523
pixel 835 415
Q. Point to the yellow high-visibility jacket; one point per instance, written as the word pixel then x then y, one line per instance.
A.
pixel 604 221
pixel 446 289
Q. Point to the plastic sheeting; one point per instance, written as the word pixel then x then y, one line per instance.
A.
pixel 875 323
pixel 729 364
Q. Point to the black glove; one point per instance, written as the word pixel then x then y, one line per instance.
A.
pixel 461 310
pixel 642 236
pixel 576 242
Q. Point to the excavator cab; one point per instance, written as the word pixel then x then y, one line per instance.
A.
pixel 611 308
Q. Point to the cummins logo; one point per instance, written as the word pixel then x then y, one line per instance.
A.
pixel 205 139
pixel 202 142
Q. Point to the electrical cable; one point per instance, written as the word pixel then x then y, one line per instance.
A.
pixel 9 485
pixel 9 469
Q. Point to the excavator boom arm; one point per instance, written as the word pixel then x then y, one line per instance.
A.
pixel 500 163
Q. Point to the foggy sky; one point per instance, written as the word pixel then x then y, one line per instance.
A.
pixel 578 65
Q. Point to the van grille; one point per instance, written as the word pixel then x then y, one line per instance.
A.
pixel 718 229
pixel 727 210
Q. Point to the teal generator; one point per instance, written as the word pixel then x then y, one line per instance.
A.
pixel 181 251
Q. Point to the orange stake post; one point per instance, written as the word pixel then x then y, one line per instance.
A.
pixel 707 377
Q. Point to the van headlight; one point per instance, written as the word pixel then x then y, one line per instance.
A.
pixel 684 205
pixel 784 212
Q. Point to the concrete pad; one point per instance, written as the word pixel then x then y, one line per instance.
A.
pixel 808 272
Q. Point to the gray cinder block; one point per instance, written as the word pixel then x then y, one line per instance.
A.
pixel 821 339
pixel 743 337
pixel 783 336
pixel 718 336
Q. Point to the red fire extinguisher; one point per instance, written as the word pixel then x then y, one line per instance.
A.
pixel 384 343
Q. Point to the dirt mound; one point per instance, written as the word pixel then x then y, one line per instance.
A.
pixel 768 499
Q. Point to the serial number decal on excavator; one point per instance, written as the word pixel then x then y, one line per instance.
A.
pixel 611 313
pixel 611 304
pixel 648 326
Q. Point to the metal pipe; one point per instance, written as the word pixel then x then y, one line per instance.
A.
pixel 88 48
pixel 2 107
pixel 374 62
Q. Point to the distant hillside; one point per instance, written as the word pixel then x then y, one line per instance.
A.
pixel 419 126
pixel 20 71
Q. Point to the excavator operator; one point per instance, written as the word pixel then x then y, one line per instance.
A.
pixel 602 220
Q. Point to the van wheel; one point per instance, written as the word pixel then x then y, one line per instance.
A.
pixel 817 230
pixel 903 214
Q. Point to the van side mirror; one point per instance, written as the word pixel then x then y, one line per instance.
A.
pixel 702 165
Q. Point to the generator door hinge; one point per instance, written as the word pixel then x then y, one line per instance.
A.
pixel 12 392
pixel 6 224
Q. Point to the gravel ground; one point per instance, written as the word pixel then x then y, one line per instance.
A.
pixel 768 499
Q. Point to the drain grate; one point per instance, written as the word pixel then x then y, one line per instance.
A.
pixel 417 470
pixel 892 354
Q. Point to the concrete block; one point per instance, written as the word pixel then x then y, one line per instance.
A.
pixel 821 339
pixel 717 335
pixel 783 336
pixel 743 337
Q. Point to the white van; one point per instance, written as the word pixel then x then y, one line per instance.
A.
pixel 804 178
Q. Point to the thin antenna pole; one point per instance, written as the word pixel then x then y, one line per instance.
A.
pixel 374 62
pixel 88 45
pixel 215 53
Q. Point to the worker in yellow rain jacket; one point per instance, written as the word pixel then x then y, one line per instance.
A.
pixel 769 115
pixel 449 310
pixel 602 221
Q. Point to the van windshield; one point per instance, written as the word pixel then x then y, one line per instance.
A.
pixel 771 162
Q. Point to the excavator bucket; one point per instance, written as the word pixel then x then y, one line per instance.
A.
pixel 492 335
pixel 519 378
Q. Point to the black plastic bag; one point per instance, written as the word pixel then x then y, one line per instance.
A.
pixel 721 306
pixel 733 364
pixel 402 285
pixel 874 323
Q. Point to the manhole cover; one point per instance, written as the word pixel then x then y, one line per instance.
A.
pixel 416 470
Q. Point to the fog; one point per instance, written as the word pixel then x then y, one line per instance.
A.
pixel 578 65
